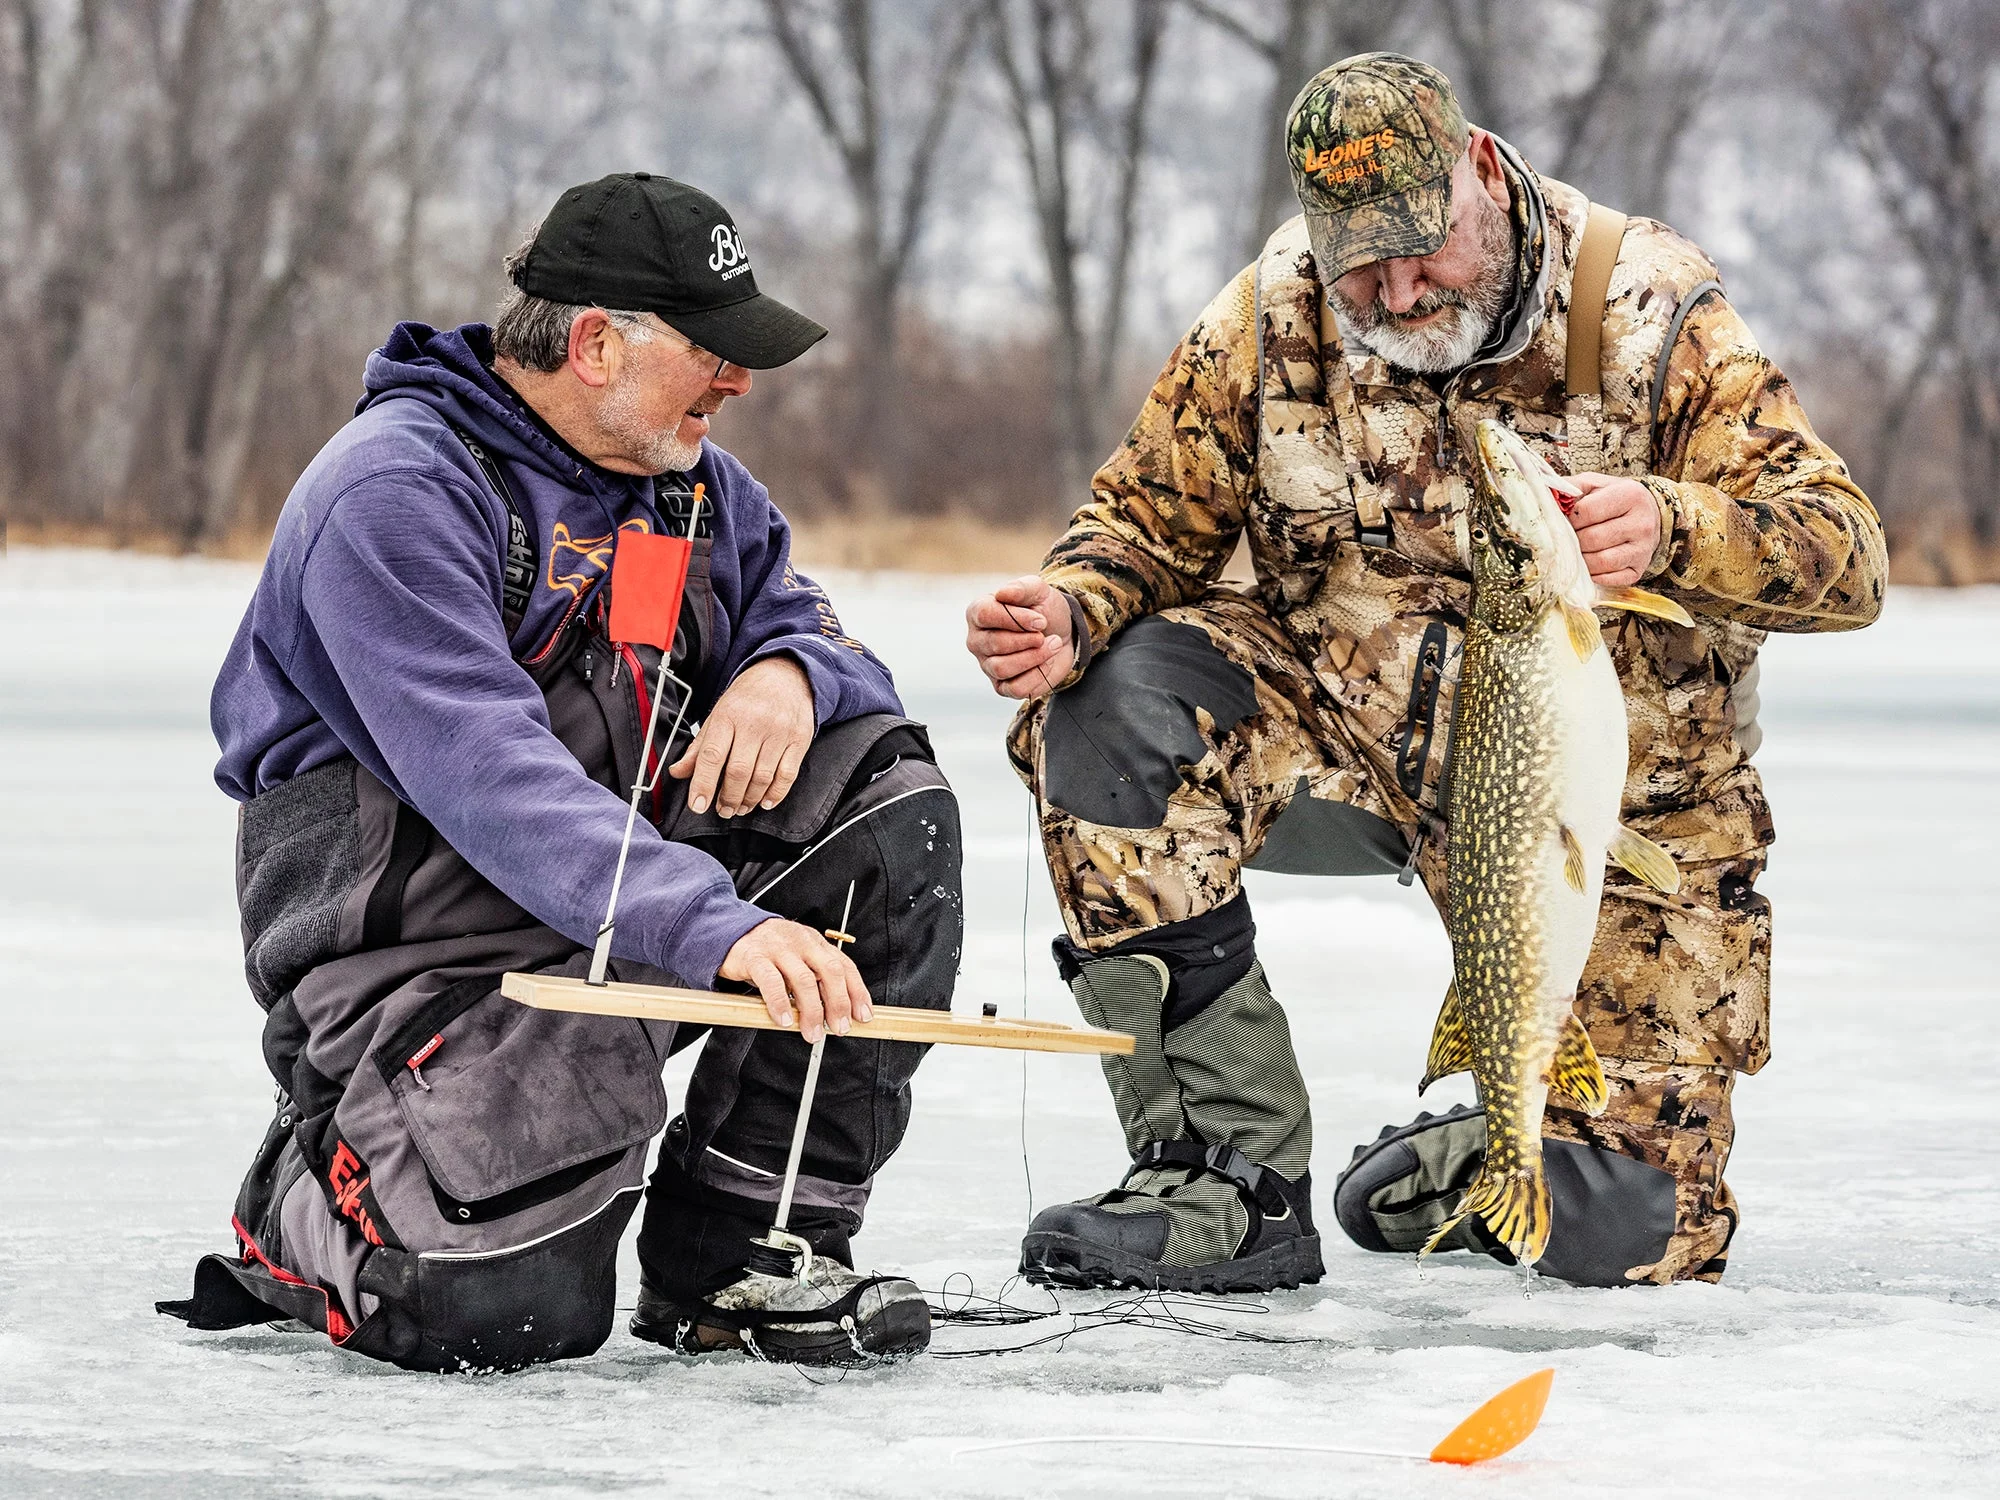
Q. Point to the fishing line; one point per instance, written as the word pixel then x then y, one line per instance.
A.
pixel 1161 1311
pixel 1027 885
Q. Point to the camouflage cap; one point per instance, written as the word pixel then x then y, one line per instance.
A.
pixel 1372 141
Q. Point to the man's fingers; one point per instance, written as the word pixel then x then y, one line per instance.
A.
pixel 711 753
pixel 743 749
pixel 834 995
pixel 987 643
pixel 1000 668
pixel 788 771
pixel 857 988
pixel 990 614
pixel 1031 589
pixel 804 986
pixel 771 985
pixel 1606 534
pixel 759 785
pixel 1597 508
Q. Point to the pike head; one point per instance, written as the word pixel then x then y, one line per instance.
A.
pixel 1514 534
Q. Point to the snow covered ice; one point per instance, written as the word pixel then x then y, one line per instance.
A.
pixel 1854 1349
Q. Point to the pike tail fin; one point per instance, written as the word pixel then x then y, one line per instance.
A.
pixel 1643 602
pixel 1514 1207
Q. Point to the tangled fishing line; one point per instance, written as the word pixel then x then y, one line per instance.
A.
pixel 1167 1312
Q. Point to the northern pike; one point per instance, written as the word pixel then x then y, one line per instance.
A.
pixel 1537 770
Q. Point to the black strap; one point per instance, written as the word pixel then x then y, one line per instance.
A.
pixel 382 918
pixel 1420 722
pixel 1687 305
pixel 1262 1186
pixel 523 562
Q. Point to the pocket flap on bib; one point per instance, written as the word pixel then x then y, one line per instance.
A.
pixel 496 1095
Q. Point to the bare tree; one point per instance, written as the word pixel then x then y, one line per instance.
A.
pixel 1643 70
pixel 1909 89
pixel 834 53
pixel 1294 39
pixel 1080 124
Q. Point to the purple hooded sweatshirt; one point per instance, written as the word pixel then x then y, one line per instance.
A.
pixel 376 632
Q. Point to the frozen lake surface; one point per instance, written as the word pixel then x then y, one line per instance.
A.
pixel 1853 1351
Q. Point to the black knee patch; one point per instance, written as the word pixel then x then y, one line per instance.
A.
pixel 1204 956
pixel 1116 743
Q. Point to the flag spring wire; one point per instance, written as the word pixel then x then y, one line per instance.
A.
pixel 644 785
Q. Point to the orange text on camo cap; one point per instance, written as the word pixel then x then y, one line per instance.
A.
pixel 1342 153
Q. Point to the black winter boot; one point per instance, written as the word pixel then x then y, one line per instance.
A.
pixel 1215 1114
pixel 1608 1213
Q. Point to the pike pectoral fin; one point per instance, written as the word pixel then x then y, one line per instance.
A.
pixel 1645 860
pixel 1584 633
pixel 1451 1048
pixel 1576 1072
pixel 1573 867
pixel 1643 602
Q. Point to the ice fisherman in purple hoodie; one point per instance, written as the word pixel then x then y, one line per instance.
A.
pixel 433 740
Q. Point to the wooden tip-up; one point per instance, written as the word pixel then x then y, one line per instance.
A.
pixel 892 1023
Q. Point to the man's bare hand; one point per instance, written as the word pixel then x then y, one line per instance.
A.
pixel 749 750
pixel 1020 634
pixel 800 973
pixel 1618 522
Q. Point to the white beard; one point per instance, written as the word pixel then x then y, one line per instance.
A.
pixel 1468 317
pixel 658 451
pixel 1447 344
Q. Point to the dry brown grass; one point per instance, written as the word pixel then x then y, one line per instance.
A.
pixel 919 544
pixel 966 544
pixel 243 547
pixel 914 544
pixel 1942 559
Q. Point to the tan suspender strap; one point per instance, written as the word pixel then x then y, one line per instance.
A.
pixel 1582 374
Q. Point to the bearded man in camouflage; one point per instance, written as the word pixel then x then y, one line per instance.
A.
pixel 1176 730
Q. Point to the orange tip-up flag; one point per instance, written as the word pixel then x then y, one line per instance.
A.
pixel 1499 1426
pixel 648 574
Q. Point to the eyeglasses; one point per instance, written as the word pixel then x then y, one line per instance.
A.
pixel 657 324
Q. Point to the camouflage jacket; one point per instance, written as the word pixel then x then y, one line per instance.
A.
pixel 1261 420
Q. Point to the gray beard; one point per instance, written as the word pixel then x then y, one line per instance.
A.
pixel 657 450
pixel 1448 344
pixel 1470 316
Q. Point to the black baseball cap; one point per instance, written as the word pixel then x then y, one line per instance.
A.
pixel 640 242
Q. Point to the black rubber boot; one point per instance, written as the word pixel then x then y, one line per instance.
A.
pixel 1121 1238
pixel 1215 1115
pixel 1608 1213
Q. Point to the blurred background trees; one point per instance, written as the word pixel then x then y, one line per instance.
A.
pixel 1007 210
